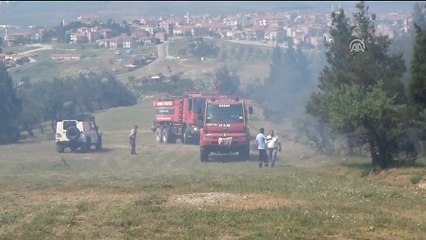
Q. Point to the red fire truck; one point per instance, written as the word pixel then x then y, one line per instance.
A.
pixel 180 117
pixel 225 128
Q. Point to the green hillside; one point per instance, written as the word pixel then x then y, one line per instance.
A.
pixel 166 192
pixel 92 59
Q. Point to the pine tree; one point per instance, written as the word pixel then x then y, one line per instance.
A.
pixel 361 93
pixel 10 107
pixel 283 93
pixel 419 18
pixel 417 83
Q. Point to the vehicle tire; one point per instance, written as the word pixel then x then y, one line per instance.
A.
pixel 172 138
pixel 196 140
pixel 99 143
pixel 159 135
pixel 89 142
pixel 204 155
pixel 72 133
pixel 59 148
pixel 165 134
pixel 86 146
pixel 73 148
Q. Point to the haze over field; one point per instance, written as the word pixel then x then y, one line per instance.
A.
pixel 49 12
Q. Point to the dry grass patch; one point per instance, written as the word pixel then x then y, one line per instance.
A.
pixel 232 200
pixel 422 183
pixel 396 177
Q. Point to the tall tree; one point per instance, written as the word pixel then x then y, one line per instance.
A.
pixel 226 82
pixel 417 83
pixel 201 48
pixel 32 109
pixel 403 41
pixel 419 18
pixel 286 90
pixel 10 107
pixel 362 92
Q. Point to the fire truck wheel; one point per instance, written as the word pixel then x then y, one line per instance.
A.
pixel 165 133
pixel 172 138
pixel 204 155
pixel 158 135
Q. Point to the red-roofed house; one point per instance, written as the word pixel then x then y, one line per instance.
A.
pixel 162 36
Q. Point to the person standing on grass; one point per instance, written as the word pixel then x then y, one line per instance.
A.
pixel 132 139
pixel 261 147
pixel 272 146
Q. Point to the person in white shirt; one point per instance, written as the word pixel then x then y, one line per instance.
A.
pixel 132 138
pixel 272 146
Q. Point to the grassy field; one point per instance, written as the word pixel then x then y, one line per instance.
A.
pixel 165 192
pixel 202 72
pixel 92 59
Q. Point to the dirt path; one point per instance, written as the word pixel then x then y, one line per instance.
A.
pixel 42 47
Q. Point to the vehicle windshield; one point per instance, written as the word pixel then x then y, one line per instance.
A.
pixel 198 104
pixel 225 113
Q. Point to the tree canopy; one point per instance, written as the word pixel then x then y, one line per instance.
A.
pixel 285 91
pixel 362 92
pixel 10 107
pixel 226 82
pixel 417 83
pixel 68 97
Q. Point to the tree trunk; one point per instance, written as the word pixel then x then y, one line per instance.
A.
pixel 384 156
pixel 380 157
pixel 374 155
pixel 53 126
pixel 350 145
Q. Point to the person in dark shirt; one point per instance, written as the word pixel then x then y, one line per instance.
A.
pixel 132 139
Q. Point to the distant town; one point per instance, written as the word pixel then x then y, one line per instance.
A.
pixel 304 29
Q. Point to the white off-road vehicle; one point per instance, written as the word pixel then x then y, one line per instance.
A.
pixel 76 134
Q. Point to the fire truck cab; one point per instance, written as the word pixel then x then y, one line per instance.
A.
pixel 225 127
